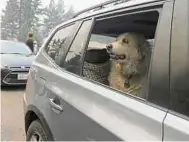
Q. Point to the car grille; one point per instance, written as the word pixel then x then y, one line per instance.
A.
pixel 12 76
pixel 19 69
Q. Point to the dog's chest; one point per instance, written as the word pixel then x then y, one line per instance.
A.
pixel 117 80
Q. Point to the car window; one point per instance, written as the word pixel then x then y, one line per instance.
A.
pixel 58 41
pixel 73 58
pixel 9 47
pixel 119 52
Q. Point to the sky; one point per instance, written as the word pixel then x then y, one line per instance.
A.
pixel 78 4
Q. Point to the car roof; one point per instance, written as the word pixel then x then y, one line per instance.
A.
pixel 92 11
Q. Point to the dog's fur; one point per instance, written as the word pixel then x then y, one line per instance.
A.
pixel 128 74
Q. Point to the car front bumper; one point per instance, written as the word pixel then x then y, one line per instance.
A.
pixel 10 76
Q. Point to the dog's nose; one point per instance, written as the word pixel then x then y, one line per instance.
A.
pixel 109 47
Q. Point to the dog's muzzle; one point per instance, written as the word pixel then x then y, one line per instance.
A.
pixel 120 57
pixel 117 57
pixel 113 55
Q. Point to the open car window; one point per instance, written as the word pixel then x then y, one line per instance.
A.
pixel 119 52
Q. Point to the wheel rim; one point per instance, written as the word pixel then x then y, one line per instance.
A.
pixel 36 137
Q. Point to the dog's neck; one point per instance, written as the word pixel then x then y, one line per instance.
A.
pixel 131 77
pixel 118 68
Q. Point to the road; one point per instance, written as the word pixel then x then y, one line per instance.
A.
pixel 12 117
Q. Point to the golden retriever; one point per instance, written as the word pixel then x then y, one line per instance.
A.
pixel 130 54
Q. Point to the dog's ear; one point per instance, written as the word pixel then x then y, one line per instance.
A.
pixel 125 40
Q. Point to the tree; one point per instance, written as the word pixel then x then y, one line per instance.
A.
pixel 69 14
pixel 52 15
pixel 10 20
pixel 55 14
pixel 30 11
pixel 60 8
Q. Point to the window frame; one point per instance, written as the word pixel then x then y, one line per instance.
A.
pixel 126 10
pixel 84 46
pixel 159 8
pixel 174 78
pixel 51 35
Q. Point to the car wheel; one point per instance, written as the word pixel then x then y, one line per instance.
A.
pixel 36 132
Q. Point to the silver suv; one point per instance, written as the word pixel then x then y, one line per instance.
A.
pixel 69 96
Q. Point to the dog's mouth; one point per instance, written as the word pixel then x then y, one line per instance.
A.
pixel 117 57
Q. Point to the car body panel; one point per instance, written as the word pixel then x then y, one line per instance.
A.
pixel 176 124
pixel 176 128
pixel 159 67
pixel 99 104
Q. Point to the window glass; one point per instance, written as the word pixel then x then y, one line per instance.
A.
pixel 119 52
pixel 72 61
pixel 58 41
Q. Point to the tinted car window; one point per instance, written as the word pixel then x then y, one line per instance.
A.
pixel 14 48
pixel 72 61
pixel 58 41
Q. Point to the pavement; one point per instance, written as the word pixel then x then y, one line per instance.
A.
pixel 12 116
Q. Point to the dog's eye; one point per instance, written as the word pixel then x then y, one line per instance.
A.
pixel 125 41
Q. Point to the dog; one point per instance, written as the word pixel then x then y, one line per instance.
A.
pixel 130 55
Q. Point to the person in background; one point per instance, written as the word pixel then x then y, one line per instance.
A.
pixel 35 47
pixel 29 42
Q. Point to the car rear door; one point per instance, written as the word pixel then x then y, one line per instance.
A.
pixel 43 73
pixel 176 124
pixel 65 121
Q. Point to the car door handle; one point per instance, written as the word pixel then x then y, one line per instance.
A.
pixel 57 108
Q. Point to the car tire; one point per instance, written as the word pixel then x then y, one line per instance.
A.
pixel 36 132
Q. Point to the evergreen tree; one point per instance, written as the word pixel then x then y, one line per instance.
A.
pixel 69 14
pixel 52 16
pixel 30 11
pixel 10 20
pixel 55 14
pixel 60 8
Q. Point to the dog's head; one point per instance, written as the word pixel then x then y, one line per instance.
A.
pixel 128 50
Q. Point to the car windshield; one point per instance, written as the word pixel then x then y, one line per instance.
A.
pixel 9 47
